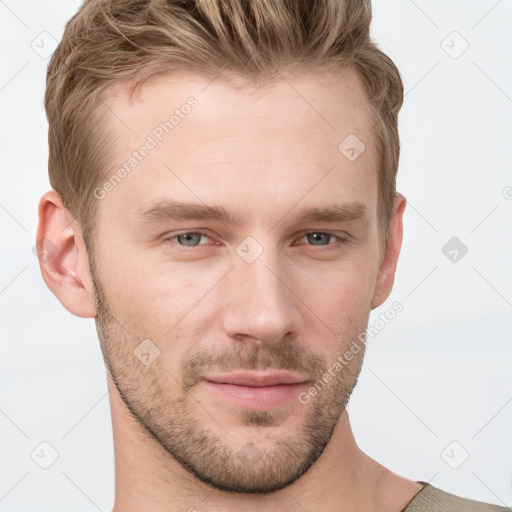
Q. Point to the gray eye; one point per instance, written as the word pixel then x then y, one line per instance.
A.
pixel 190 239
pixel 315 237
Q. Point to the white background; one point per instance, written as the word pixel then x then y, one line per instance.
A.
pixel 437 376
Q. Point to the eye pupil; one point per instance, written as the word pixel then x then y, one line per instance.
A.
pixel 189 238
pixel 315 237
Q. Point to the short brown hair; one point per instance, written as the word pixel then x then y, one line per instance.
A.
pixel 112 41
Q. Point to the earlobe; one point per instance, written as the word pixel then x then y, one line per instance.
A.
pixel 386 277
pixel 63 258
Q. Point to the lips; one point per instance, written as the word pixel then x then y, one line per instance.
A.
pixel 256 390
pixel 258 379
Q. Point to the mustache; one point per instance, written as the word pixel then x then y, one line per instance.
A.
pixel 247 356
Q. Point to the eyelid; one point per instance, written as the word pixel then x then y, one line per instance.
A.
pixel 341 237
pixel 335 233
pixel 170 236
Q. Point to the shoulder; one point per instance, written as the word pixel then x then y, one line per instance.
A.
pixel 432 499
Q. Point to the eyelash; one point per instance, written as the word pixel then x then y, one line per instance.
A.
pixel 339 239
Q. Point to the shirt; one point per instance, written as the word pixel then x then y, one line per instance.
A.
pixel 432 499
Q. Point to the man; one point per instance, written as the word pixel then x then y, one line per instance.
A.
pixel 224 206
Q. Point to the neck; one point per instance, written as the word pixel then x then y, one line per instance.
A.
pixel 147 477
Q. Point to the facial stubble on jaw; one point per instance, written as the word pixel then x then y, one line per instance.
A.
pixel 251 467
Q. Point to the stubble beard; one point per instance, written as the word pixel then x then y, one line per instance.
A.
pixel 271 457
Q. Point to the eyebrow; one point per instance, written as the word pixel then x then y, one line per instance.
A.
pixel 169 210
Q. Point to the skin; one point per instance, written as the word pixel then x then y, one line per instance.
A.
pixel 265 154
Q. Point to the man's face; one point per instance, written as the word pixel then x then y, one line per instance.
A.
pixel 269 294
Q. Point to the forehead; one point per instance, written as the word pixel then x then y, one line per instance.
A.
pixel 331 101
pixel 210 140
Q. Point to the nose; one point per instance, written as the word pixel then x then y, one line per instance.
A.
pixel 261 304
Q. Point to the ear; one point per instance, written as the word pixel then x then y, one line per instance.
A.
pixel 389 259
pixel 63 258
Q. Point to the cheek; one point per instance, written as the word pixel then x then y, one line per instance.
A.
pixel 342 302
pixel 341 298
pixel 350 280
pixel 160 297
